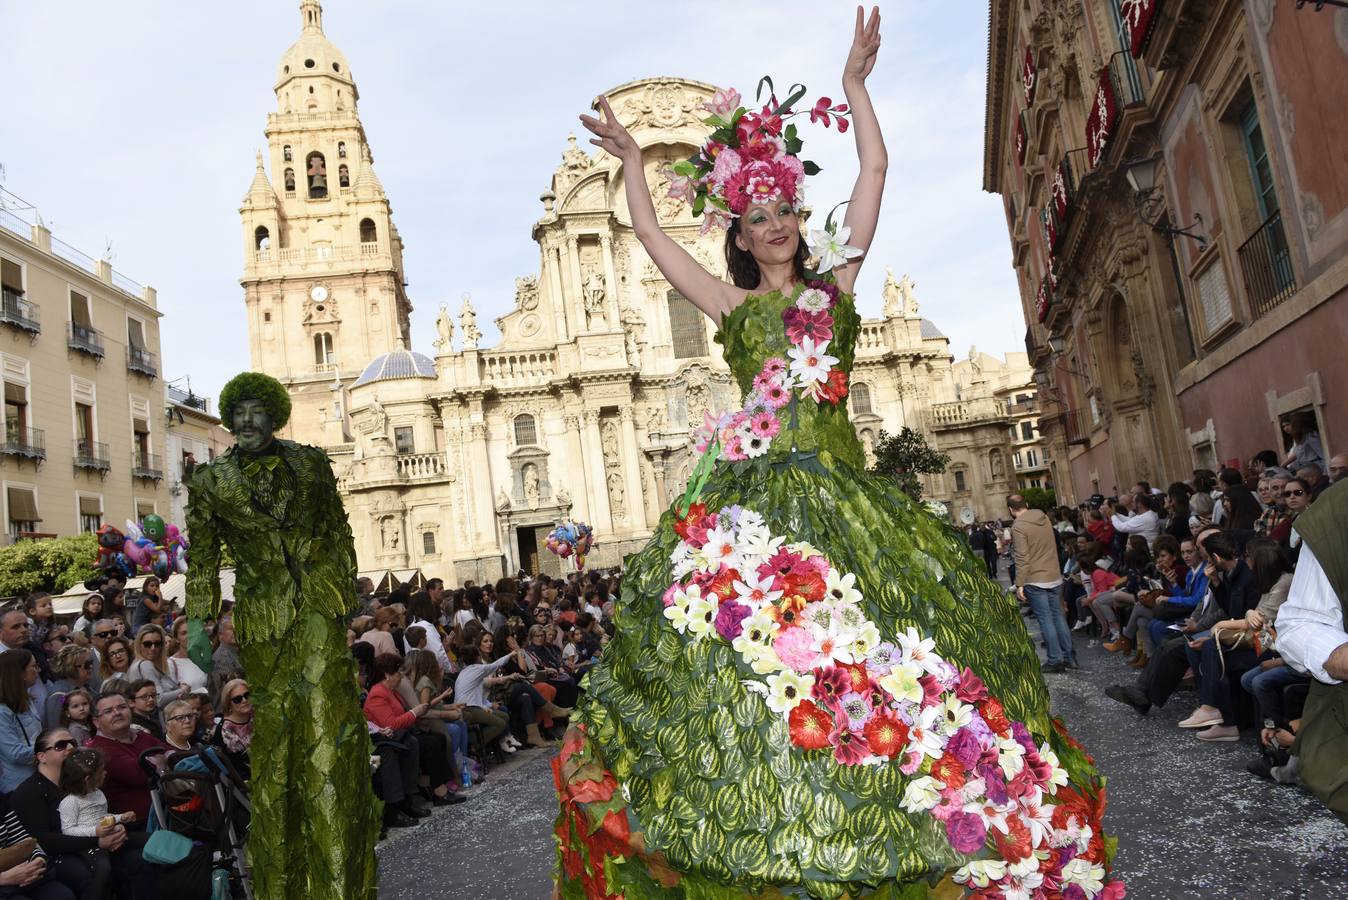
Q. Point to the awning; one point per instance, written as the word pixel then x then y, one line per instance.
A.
pixel 22 505
pixel 91 506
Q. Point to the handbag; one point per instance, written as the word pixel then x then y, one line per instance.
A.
pixel 17 853
pixel 166 848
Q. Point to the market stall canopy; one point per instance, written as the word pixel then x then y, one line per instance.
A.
pixel 175 589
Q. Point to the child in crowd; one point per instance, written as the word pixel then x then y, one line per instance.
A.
pixel 84 807
pixel 77 715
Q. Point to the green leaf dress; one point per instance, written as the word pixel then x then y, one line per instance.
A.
pixel 678 780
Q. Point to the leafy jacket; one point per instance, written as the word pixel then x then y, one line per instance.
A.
pixel 302 560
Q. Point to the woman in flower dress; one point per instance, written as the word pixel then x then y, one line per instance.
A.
pixel 814 689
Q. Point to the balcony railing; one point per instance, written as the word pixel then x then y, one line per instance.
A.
pixel 1075 428
pixel 140 360
pixel 189 399
pixel 421 465
pixel 1127 83
pixel 1022 408
pixel 147 465
pixel 966 412
pixel 1266 264
pixel 92 455
pixel 25 443
pixel 85 339
pixel 16 311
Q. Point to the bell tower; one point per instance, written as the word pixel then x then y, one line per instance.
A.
pixel 323 262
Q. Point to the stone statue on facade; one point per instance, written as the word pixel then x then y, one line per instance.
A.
pixel 634 326
pixel 573 157
pixel 975 362
pixel 502 501
pixel 526 292
pixel 892 295
pixel 563 497
pixel 468 322
pixel 378 420
pixel 609 441
pixel 906 288
pixel 531 492
pixel 617 497
pixel 388 533
pixel 444 328
pixel 594 293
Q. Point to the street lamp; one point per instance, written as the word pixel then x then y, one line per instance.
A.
pixel 1141 175
pixel 1057 343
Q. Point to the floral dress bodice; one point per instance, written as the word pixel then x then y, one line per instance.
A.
pixel 770 333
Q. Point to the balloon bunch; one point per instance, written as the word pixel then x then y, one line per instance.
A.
pixel 572 539
pixel 151 548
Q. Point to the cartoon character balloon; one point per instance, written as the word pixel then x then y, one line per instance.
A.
pixel 571 539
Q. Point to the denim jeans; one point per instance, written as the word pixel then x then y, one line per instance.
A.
pixel 1266 685
pixel 1046 604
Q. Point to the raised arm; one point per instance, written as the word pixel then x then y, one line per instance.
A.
pixel 707 292
pixel 863 211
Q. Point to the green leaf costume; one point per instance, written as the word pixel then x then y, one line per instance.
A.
pixel 678 780
pixel 314 816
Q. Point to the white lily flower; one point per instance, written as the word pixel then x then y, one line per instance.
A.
pixel 787 689
pixel 755 591
pixel 841 588
pixel 868 638
pixel 924 735
pixel 702 615
pixel 920 650
pixel 902 684
pixel 677 612
pixel 921 794
pixel 722 549
pixel 1010 756
pixel 756 634
pixel 1091 879
pixel 993 816
pixel 981 872
pixel 831 247
pixel 833 642
pixel 1059 777
pixel 810 362
pixel 954 714
pixel 1039 820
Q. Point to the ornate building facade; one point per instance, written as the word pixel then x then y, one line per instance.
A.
pixel 460 460
pixel 1178 225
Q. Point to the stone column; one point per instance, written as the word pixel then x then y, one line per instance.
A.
pixel 578 469
pixel 592 446
pixel 661 492
pixel 484 511
pixel 610 283
pixel 553 257
pixel 573 266
pixel 632 464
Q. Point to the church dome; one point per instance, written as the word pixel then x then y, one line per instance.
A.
pixel 396 364
pixel 313 53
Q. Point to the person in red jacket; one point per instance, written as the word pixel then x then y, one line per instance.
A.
pixel 126 785
pixel 392 721
pixel 1100 529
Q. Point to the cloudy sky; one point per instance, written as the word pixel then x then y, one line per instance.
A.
pixel 137 123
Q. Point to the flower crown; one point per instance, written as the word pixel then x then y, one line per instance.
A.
pixel 749 157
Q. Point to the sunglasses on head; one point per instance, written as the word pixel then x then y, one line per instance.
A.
pixel 63 744
pixel 241 698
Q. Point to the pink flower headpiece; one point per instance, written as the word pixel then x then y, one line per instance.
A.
pixel 749 157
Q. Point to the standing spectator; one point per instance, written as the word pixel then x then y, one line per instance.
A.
pixel 150 665
pixel 1306 448
pixel 1262 460
pixel 1143 519
pixel 1312 638
pixel 1099 528
pixel 19 720
pixel 990 551
pixel 421 611
pixel 180 667
pixel 1312 475
pixel 1039 579
pixel 126 786
pixel 152 604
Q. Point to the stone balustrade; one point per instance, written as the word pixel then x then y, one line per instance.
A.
pixel 518 368
pixel 965 412
pixel 421 465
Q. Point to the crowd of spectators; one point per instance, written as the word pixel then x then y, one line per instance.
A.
pixel 1190 587
pixel 451 682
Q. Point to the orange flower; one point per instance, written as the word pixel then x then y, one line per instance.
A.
pixel 809 585
pixel 809 726
pixel 787 611
pixel 723 585
pixel 861 679
pixel 886 734
pixel 949 770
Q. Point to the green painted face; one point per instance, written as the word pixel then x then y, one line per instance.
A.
pixel 253 428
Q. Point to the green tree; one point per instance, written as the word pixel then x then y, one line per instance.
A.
pixel 905 456
pixel 1040 498
pixel 50 565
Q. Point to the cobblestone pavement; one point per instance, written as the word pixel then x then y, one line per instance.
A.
pixel 1191 822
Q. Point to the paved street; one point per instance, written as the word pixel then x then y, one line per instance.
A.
pixel 1191 822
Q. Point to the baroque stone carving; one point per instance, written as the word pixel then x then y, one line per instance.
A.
pixel 468 322
pixel 526 292
pixel 444 329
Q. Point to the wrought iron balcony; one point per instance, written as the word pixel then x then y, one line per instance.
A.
pixel 1074 427
pixel 1266 265
pixel 189 399
pixel 142 361
pixel 85 339
pixel 92 455
pixel 149 466
pixel 18 312
pixel 25 443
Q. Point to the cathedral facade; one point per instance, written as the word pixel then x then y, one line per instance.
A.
pixel 460 460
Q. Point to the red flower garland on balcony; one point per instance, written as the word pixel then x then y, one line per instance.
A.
pixel 1029 75
pixel 1138 17
pixel 1100 123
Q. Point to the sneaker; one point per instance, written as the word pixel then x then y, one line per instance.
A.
pixel 1082 624
pixel 1288 774
pixel 1219 732
pixel 1073 664
pixel 1053 667
pixel 1130 696
pixel 1201 719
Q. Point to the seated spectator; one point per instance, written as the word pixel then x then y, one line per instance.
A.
pixel 475 678
pixel 1161 578
pixel 1338 467
pixel 1276 509
pixel 38 877
pixel 84 805
pixel 71 669
pixel 422 683
pixel 144 699
pixel 233 732
pixel 90 613
pixel 384 709
pixel 1315 477
pixel 109 855
pixel 116 662
pixel 1240 507
pixel 1296 495
pixel 1100 584
pixel 546 657
pixel 1225 647
pixel 126 785
pixel 77 715
pixel 180 725
pixel 1201 507
pixel 150 665
pixel 180 666
pixel 19 719
pixel 1099 528
pixel 379 634
pixel 225 660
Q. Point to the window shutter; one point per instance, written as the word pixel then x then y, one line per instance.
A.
pixel 22 505
pixel 91 506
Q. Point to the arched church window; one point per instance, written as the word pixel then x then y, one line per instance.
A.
pixel 286 154
pixel 343 176
pixel 323 355
pixel 290 181
pixel 686 327
pixel 960 484
pixel 861 398
pixel 428 543
pixel 316 171
pixel 261 238
pixel 341 149
pixel 368 235
pixel 526 431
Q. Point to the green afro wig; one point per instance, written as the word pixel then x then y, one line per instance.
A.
pixel 255 386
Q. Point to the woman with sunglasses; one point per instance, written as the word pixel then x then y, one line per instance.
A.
pixel 71 667
pixel 1296 497
pixel 109 855
pixel 150 665
pixel 233 732
pixel 115 663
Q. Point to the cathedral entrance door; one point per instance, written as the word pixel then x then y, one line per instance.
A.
pixel 528 544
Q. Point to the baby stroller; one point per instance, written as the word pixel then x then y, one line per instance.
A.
pixel 199 795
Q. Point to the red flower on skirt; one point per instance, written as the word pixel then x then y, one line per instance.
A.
pixel 886 734
pixel 809 726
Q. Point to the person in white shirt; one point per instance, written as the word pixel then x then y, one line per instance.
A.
pixel 470 689
pixel 84 807
pixel 1143 521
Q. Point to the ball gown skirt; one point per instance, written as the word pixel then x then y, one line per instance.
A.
pixel 814 690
